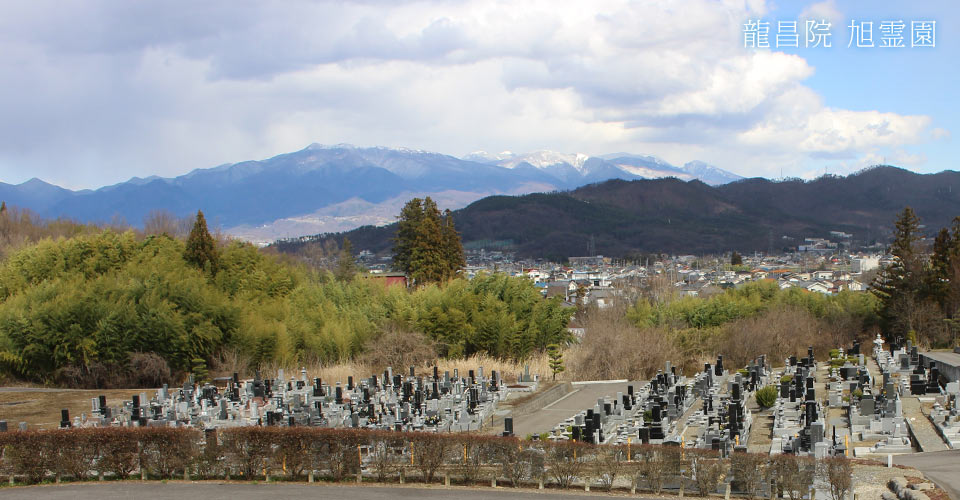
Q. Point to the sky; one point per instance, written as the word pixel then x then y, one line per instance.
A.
pixel 96 92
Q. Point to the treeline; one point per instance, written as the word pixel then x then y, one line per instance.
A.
pixel 740 323
pixel 306 454
pixel 920 291
pixel 21 227
pixel 749 300
pixel 113 309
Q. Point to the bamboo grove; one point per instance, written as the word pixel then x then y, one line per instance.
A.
pixel 85 308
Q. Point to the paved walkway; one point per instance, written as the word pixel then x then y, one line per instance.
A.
pixel 583 397
pixel 215 490
pixel 926 436
pixel 942 467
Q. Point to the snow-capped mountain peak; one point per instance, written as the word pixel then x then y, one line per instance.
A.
pixel 546 159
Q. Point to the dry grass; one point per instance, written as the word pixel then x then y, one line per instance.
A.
pixel 40 408
pixel 613 348
pixel 509 371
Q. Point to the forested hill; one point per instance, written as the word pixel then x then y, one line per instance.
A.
pixel 669 215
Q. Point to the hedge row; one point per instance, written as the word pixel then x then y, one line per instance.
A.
pixel 294 453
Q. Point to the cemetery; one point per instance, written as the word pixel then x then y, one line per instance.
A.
pixel 437 403
pixel 706 411
pixel 672 433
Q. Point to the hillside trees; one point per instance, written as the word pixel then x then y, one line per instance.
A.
pixel 920 289
pixel 346 262
pixel 201 249
pixel 736 259
pixel 743 322
pixel 427 245
pixel 102 309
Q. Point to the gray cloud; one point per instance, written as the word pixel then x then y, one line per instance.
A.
pixel 98 91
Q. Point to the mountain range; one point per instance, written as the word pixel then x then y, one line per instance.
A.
pixel 337 188
pixel 619 218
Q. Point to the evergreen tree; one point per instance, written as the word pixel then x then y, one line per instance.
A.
pixel 201 250
pixel 736 259
pixel 951 304
pixel 556 359
pixel 427 246
pixel 938 279
pixel 407 226
pixel 427 263
pixel 346 263
pixel 452 247
pixel 899 286
pixel 3 207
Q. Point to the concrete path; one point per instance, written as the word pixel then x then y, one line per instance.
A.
pixel 583 397
pixel 128 490
pixel 942 467
pixel 926 436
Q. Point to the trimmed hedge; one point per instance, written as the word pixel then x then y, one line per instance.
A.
pixel 291 453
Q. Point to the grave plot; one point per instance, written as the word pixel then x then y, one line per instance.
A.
pixel 901 365
pixel 945 415
pixel 664 411
pixel 904 376
pixel 799 419
pixel 723 422
pixel 873 416
pixel 437 403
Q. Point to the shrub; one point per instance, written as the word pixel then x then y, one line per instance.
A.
pixel 766 396
pixel 837 473
pixel 793 474
pixel 166 451
pixel 147 369
pixel 608 463
pixel 31 454
pixel 516 462
pixel 292 449
pixel 749 470
pixel 430 451
pixel 211 460
pixel 77 453
pixel 399 348
pixel 336 451
pixel 652 469
pixel 674 461
pixel 117 449
pixel 600 356
pixel 708 470
pixel 246 449
pixel 386 453
pixel 565 461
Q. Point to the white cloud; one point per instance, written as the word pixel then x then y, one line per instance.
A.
pixel 96 92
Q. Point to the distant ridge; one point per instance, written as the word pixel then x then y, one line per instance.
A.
pixel 296 193
pixel 669 215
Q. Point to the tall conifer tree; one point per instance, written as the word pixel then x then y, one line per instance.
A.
pixel 201 250
pixel 899 286
pixel 427 246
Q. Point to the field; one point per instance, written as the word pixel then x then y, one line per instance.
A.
pixel 40 407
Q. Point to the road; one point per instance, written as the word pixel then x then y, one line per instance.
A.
pixel 943 467
pixel 583 397
pixel 275 491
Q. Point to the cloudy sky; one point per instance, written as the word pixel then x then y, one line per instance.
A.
pixel 95 92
